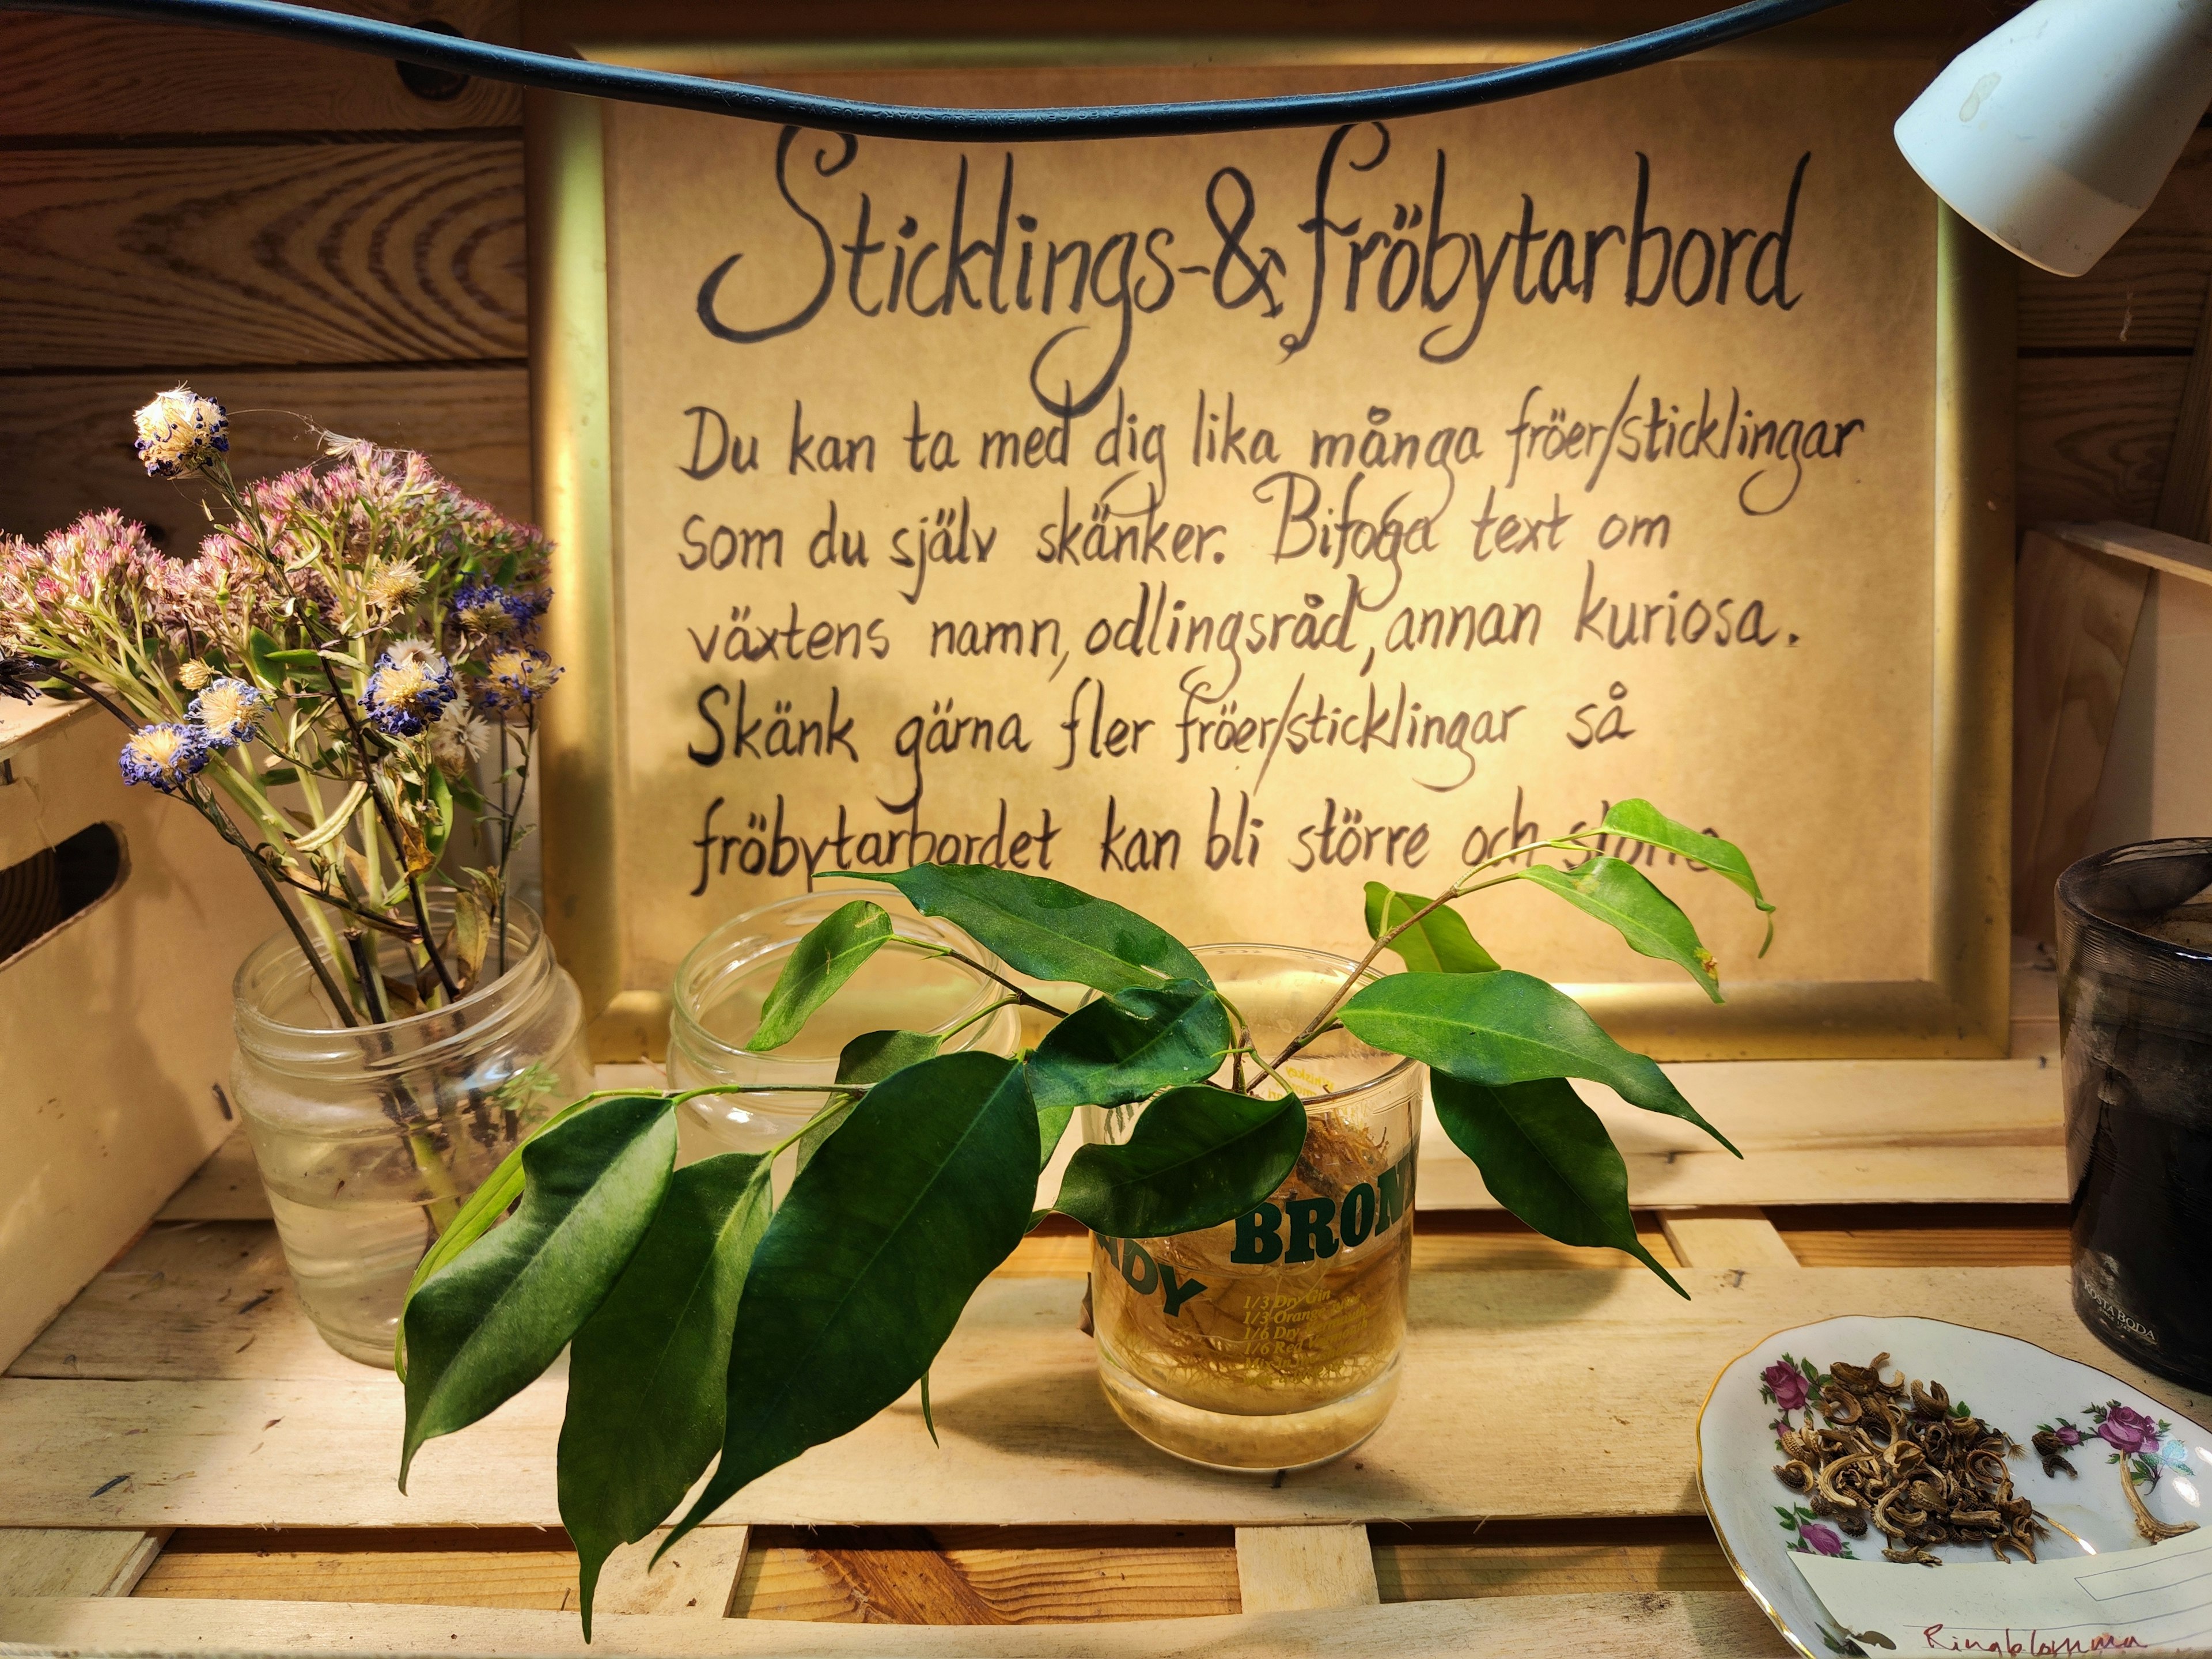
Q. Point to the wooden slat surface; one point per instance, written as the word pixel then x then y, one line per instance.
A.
pixel 93 76
pixel 987 1575
pixel 1812 1131
pixel 477 1567
pixel 1538 1557
pixel 2094 434
pixel 214 1300
pixel 1644 1625
pixel 1737 1237
pixel 1279 1568
pixel 1027 1437
pixel 1826 1132
pixel 296 254
pixel 65 439
pixel 52 1561
pixel 1957 1236
pixel 2075 614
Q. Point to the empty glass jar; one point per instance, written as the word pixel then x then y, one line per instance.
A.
pixel 1274 1341
pixel 720 986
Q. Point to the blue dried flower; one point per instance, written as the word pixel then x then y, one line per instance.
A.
pixel 491 612
pixel 410 687
pixel 228 712
pixel 164 756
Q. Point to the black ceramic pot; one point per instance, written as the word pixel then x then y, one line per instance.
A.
pixel 2135 1020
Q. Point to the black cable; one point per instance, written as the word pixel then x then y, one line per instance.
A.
pixel 556 73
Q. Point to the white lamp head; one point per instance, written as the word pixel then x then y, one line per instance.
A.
pixel 2052 134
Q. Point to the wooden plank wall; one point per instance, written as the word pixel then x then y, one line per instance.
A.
pixel 299 230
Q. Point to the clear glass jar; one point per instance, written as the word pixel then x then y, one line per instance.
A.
pixel 1274 1342
pixel 720 986
pixel 370 1138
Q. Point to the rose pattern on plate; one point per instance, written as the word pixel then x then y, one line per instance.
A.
pixel 1788 1385
pixel 2145 1444
pixel 1813 1535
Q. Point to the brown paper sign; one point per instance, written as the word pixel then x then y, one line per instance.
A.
pixel 1217 524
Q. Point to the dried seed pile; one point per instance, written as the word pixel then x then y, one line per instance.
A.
pixel 1903 1462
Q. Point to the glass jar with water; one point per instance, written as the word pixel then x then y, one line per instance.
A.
pixel 908 986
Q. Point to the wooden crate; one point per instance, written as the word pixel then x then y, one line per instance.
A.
pixel 190 1467
pixel 115 1024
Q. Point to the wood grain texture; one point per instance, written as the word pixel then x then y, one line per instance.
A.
pixel 197 1299
pixel 1822 1132
pixel 1812 1131
pixel 1509 1557
pixel 2156 550
pixel 84 77
pixel 1737 1236
pixel 1282 1568
pixel 2094 434
pixel 2148 292
pixel 214 1299
pixel 1027 1437
pixel 293 254
pixel 466 1567
pixel 2045 1245
pixel 2185 496
pixel 65 439
pixel 40 1561
pixel 1644 1625
pixel 987 1575
pixel 2074 623
pixel 227 1188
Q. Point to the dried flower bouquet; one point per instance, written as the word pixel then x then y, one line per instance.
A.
pixel 320 682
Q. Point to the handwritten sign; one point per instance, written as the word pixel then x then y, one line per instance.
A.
pixel 2134 1600
pixel 1217 524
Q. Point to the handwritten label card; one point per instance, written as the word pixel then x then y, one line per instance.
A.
pixel 1219 523
pixel 2155 1598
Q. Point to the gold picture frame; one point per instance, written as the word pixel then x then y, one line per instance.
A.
pixel 1960 1010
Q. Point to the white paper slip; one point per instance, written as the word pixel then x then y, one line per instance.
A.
pixel 2159 1598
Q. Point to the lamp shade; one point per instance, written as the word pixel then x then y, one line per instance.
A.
pixel 2052 133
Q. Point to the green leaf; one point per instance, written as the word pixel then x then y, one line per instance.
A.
pixel 868 1058
pixel 928 1417
pixel 481 1213
pixel 647 1371
pixel 1198 1157
pixel 1045 928
pixel 1505 1028
pixel 1639 820
pixel 1131 1045
pixel 261 654
pixel 1544 1156
pixel 831 953
pixel 1624 897
pixel 1052 1124
pixel 1439 944
pixel 489 1322
pixel 871 1258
